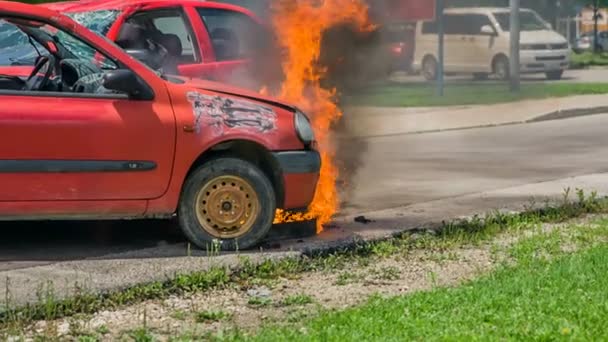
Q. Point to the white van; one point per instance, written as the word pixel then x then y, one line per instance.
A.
pixel 477 42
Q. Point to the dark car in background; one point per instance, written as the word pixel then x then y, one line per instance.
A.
pixel 585 42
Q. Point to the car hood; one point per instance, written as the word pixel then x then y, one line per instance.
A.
pixel 542 37
pixel 232 90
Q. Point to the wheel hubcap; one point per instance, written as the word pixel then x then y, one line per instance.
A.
pixel 227 207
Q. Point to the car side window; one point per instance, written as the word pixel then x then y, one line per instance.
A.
pixel 233 35
pixel 170 28
pixel 475 22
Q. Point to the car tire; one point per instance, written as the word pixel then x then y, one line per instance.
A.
pixel 429 68
pixel 501 68
pixel 227 200
pixel 480 76
pixel 554 75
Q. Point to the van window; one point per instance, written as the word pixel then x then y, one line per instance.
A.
pixel 459 24
pixel 529 21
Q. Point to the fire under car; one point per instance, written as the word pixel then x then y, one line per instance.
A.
pixel 93 133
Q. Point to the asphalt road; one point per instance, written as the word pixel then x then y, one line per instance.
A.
pixel 406 169
pixel 382 173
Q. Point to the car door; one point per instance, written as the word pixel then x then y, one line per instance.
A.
pixel 479 45
pixel 456 42
pixel 87 146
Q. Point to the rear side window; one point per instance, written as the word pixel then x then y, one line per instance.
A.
pixel 233 35
pixel 171 28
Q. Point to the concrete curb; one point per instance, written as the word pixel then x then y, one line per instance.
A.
pixel 570 113
pixel 547 116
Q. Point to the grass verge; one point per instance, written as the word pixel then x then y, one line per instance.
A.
pixel 424 95
pixel 587 59
pixel 451 234
pixel 552 289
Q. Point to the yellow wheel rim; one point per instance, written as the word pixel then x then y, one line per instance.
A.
pixel 227 207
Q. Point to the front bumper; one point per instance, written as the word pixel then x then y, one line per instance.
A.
pixel 535 61
pixel 300 170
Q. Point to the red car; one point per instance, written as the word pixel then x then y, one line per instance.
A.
pixel 94 133
pixel 204 39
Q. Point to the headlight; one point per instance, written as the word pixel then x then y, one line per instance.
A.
pixel 528 47
pixel 303 128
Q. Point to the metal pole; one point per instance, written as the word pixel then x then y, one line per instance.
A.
pixel 440 52
pixel 514 55
pixel 596 13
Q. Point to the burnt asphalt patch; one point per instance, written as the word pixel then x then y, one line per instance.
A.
pixel 37 243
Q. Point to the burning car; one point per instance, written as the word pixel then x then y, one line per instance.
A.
pixel 96 134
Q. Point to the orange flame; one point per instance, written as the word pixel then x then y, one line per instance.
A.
pixel 300 25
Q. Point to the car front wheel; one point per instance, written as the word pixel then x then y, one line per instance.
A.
pixel 555 75
pixel 227 200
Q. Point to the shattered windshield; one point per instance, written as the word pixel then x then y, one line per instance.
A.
pixel 99 22
pixel 15 47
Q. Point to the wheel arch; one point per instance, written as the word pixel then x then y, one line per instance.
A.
pixel 252 152
pixel 496 58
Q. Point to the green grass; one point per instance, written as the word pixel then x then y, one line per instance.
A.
pixel 587 59
pixel 424 95
pixel 211 316
pixel 549 295
pixel 297 300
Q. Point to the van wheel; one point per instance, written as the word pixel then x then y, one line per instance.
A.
pixel 228 200
pixel 554 75
pixel 501 68
pixel 429 68
pixel 480 76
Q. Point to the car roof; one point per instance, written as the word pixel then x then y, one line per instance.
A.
pixel 95 5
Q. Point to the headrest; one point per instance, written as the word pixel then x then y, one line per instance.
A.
pixel 172 43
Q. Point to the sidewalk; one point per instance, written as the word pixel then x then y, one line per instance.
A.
pixel 380 121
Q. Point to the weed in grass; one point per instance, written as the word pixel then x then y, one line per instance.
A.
pixel 299 299
pixel 102 329
pixel 179 315
pixel 386 273
pixel 190 337
pixel 211 316
pixel 87 338
pixel 297 316
pixel 433 279
pixel 346 278
pixel 142 335
pixel 385 248
pixel 259 301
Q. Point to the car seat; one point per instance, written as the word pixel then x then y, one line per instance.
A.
pixel 225 43
pixel 173 45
